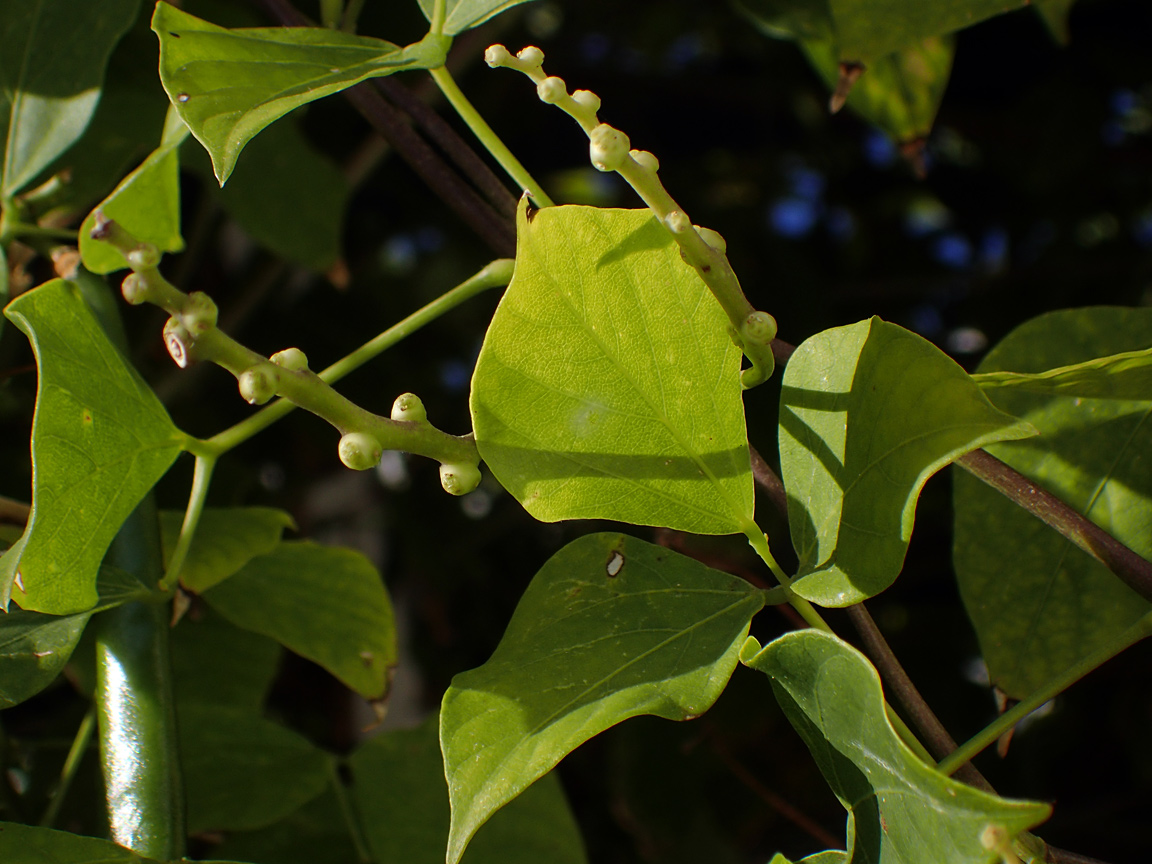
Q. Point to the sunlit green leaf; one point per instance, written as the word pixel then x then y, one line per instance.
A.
pixel 610 628
pixel 325 603
pixel 146 204
pixel 1040 604
pixel 100 440
pixel 460 15
pixel 900 809
pixel 227 538
pixel 242 771
pixel 214 662
pixel 607 386
pixel 399 790
pixel 868 413
pixel 52 60
pixel 832 856
pixel 230 84
pixel 900 92
pixel 1126 375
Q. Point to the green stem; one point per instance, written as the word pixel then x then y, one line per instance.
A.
pixel 990 733
pixel 758 541
pixel 351 15
pixel 201 479
pixel 16 230
pixel 907 735
pixel 351 820
pixel 487 137
pixel 331 13
pixel 71 764
pixel 438 10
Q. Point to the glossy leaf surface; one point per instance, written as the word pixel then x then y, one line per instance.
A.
pixel 146 204
pixel 607 386
pixel 868 413
pixel 1040 604
pixel 900 809
pixel 325 603
pixel 99 443
pixel 227 85
pixel 50 83
pixel 226 539
pixel 610 628
pixel 402 798
pixel 461 15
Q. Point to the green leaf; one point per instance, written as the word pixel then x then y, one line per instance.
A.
pixel 24 844
pixel 146 204
pixel 230 84
pixel 1126 375
pixel 831 856
pixel 226 539
pixel 461 15
pixel 402 799
pixel 324 603
pixel 868 413
pixel 1054 14
pixel 900 92
pixel 900 809
pixel 49 83
pixel 316 832
pixel 607 386
pixel 802 20
pixel 216 663
pixel 1040 604
pixel 610 628
pixel 242 771
pixel 100 440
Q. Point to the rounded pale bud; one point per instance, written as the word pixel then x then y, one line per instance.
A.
pixel 995 837
pixel 551 90
pixel 257 385
pixel 459 479
pixel 360 451
pixel 607 147
pixel 135 289
pixel 409 408
pixel 143 257
pixel 497 55
pixel 532 57
pixel 712 238
pixel 199 314
pixel 646 160
pixel 179 342
pixel 760 328
pixel 587 100
pixel 291 359
pixel 677 222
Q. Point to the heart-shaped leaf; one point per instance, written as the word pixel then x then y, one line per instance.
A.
pixel 607 386
pixel 610 628
pixel 1040 604
pixel 226 539
pixel 227 85
pixel 900 809
pixel 868 413
pixel 325 603
pixel 100 440
pixel 461 15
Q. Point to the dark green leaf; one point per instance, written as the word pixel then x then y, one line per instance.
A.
pixel 216 663
pixel 400 794
pixel 1039 603
pixel 324 603
pixel 314 834
pixel 52 60
pixel 100 440
pixel 226 539
pixel 900 809
pixel 146 204
pixel 1055 14
pixel 607 386
pixel 868 413
pixel 230 84
pixel 802 20
pixel 242 771
pixel 461 15
pixel 610 628
pixel 24 844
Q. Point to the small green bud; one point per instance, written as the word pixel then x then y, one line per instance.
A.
pixel 712 238
pixel 257 385
pixel 360 451
pixel 645 160
pixel 459 479
pixel 677 222
pixel 408 407
pixel 497 55
pixel 551 90
pixel 587 100
pixel 179 342
pixel 607 147
pixel 291 359
pixel 143 257
pixel 530 57
pixel 759 328
pixel 199 314
pixel 135 289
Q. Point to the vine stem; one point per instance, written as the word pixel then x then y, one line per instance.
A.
pixel 486 136
pixel 71 765
pixel 438 8
pixel 201 480
pixel 990 733
pixel 351 820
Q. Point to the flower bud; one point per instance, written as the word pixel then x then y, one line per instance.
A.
pixel 199 314
pixel 408 407
pixel 677 222
pixel 497 55
pixel 646 160
pixel 587 100
pixel 360 451
pixel 551 90
pixel 143 257
pixel 607 147
pixel 135 289
pixel 759 328
pixel 257 385
pixel 531 57
pixel 459 479
pixel 291 359
pixel 179 342
pixel 712 238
